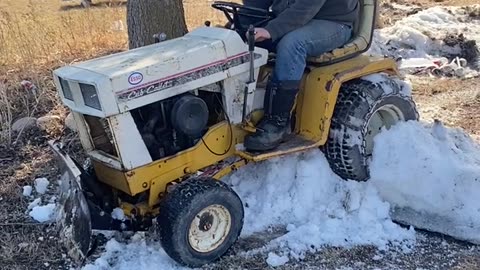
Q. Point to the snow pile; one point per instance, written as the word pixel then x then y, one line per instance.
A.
pixel 317 207
pixel 43 213
pixel 41 185
pixel 429 37
pixel 431 177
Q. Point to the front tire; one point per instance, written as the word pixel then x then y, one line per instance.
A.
pixel 199 221
pixel 363 108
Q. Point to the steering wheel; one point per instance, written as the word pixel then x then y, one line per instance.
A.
pixel 234 11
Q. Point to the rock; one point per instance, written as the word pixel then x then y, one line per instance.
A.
pixel 70 122
pixel 48 122
pixel 24 124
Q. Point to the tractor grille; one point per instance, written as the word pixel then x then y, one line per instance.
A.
pixel 67 92
pixel 101 134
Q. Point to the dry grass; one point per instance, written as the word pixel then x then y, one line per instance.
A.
pixel 37 36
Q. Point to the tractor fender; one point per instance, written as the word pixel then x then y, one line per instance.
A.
pixel 318 96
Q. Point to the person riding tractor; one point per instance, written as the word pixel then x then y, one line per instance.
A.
pixel 300 29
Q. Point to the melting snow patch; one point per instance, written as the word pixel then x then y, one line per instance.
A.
pixel 43 213
pixel 41 185
pixel 431 176
pixel 135 255
pixel 27 191
pixel 274 260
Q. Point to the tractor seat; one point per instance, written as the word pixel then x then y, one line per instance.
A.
pixel 361 37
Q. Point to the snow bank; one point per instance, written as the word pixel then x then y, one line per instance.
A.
pixel 43 213
pixel 431 177
pixel 41 185
pixel 317 207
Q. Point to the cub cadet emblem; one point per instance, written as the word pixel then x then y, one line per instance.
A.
pixel 135 78
pixel 184 77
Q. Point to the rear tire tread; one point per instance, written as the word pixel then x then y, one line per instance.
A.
pixel 356 103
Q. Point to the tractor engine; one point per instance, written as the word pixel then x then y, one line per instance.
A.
pixel 177 123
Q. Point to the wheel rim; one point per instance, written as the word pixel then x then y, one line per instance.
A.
pixel 385 116
pixel 209 228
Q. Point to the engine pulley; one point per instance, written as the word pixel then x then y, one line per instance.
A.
pixel 190 115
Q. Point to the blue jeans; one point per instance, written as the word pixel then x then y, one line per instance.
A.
pixel 313 39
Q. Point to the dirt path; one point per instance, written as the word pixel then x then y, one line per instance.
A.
pixel 455 102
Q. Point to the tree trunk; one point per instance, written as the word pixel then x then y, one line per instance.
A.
pixel 145 18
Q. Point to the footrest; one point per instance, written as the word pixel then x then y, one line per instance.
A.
pixel 292 144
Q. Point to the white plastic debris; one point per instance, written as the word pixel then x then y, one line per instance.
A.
pixel 41 185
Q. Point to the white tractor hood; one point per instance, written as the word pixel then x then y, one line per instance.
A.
pixel 133 78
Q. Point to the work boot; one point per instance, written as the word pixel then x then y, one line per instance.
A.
pixel 275 124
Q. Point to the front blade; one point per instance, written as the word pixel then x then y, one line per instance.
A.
pixel 73 215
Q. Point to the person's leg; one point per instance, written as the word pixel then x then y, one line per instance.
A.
pixel 313 39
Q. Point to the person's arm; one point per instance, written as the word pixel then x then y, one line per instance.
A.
pixel 295 16
pixel 263 4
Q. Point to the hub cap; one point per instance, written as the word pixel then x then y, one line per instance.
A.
pixel 209 228
pixel 385 116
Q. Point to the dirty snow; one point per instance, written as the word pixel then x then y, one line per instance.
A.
pixel 27 191
pixel 43 213
pixel 431 176
pixel 41 185
pixel 420 35
pixel 274 260
pixel 418 40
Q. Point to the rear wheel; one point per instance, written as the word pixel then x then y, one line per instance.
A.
pixel 199 221
pixel 363 109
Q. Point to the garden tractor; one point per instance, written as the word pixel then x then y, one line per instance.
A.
pixel 164 123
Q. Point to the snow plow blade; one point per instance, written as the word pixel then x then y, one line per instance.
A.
pixel 73 216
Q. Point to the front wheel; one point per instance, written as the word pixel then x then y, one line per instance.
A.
pixel 363 109
pixel 199 221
